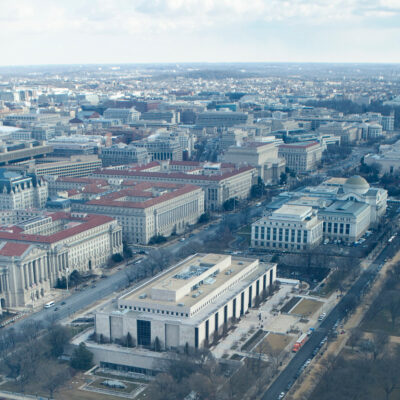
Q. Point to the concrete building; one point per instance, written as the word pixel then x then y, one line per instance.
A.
pixel 388 122
pixel 21 191
pixel 189 304
pixel 124 115
pixel 221 119
pixel 345 220
pixel 302 156
pixel 290 227
pixel 74 166
pixel 148 209
pixel 121 154
pixel 36 252
pixel 263 156
pixel 161 148
pixel 11 152
pixel 172 117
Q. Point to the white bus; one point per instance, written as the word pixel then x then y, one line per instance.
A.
pixel 49 304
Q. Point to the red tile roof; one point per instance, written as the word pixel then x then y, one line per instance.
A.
pixel 13 249
pixel 112 200
pixel 88 222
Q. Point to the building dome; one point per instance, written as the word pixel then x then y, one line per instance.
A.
pixel 356 184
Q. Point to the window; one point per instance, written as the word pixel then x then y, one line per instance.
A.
pixel 143 333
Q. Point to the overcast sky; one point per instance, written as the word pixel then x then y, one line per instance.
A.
pixel 136 31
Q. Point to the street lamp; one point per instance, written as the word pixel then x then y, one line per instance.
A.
pixel 67 271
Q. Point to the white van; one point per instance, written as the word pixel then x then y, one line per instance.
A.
pixel 49 304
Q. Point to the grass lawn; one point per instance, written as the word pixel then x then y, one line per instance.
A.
pixel 275 341
pixel 306 307
pixel 253 340
pixel 290 304
pixel 383 322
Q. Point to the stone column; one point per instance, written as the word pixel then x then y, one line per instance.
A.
pixel 35 271
pixel 21 271
pixel 25 276
pixel 30 273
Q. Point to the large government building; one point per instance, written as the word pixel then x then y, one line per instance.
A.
pixel 21 191
pixel 220 182
pixel 188 304
pixel 38 250
pixel 148 209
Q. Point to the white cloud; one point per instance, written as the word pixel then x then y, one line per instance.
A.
pixel 154 16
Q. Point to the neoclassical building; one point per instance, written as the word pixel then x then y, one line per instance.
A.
pixel 36 252
pixel 21 191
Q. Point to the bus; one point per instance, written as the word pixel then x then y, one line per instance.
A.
pixel 49 304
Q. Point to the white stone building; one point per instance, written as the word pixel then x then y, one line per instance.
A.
pixel 148 209
pixel 220 183
pixel 301 156
pixel 188 304
pixel 263 156
pixel 36 252
pixel 291 227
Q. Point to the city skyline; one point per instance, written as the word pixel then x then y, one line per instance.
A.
pixel 105 32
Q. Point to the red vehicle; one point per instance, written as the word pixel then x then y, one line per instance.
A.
pixel 299 342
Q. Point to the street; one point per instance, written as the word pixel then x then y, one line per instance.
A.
pixel 288 375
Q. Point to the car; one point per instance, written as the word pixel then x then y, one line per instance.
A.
pixel 281 396
pixel 182 239
pixel 258 204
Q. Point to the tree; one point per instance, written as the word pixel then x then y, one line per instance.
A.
pixel 57 338
pixel 52 375
pixel 204 218
pixel 380 339
pixel 129 340
pixel 82 358
pixel 157 239
pixel 391 300
pixel 355 337
pixel 157 344
pixel 126 250
pixel 117 258
pixel 283 178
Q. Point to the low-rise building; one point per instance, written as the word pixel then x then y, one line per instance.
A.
pixel 189 304
pixel 82 165
pixel 291 227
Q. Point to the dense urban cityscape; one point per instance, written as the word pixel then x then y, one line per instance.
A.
pixel 200 231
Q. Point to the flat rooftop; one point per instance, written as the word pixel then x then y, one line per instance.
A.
pixel 191 280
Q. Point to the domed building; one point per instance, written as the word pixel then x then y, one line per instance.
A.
pixel 356 184
pixel 356 188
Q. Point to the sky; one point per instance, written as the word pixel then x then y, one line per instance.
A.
pixel 168 31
